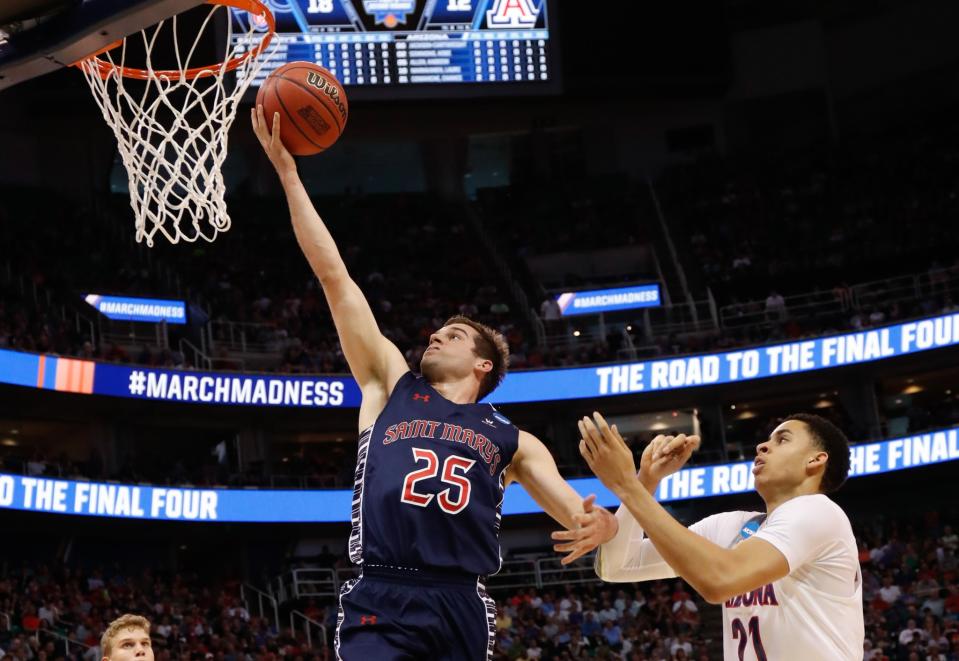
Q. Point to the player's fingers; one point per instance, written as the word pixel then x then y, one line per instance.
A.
pixel 256 116
pixel 276 128
pixel 570 538
pixel 601 423
pixel 593 449
pixel 658 444
pixel 694 442
pixel 565 535
pixel 588 502
pixel 586 453
pixel 575 554
pixel 610 435
pixel 563 548
pixel 675 445
pixel 588 438
pixel 582 435
pixel 592 432
pixel 583 519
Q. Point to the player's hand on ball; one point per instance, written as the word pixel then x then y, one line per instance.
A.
pixel 281 159
pixel 595 526
pixel 665 455
pixel 606 452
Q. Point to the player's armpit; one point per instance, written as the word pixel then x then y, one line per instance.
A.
pixel 748 566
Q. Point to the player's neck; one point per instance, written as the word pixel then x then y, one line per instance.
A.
pixel 780 496
pixel 464 391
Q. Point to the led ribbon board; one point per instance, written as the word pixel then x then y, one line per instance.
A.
pixel 126 308
pixel 730 366
pixel 608 300
pixel 320 391
pixel 129 501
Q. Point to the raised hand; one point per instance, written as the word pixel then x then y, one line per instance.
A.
pixel 606 452
pixel 664 456
pixel 594 527
pixel 281 159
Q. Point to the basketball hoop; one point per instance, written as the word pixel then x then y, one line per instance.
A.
pixel 171 130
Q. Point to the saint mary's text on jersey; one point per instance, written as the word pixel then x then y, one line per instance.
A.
pixel 485 448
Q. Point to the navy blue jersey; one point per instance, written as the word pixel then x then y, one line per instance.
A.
pixel 429 483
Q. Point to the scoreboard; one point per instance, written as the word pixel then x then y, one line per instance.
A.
pixel 411 43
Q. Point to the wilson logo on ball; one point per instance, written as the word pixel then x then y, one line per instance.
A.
pixel 322 84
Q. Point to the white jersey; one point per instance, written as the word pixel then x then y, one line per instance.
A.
pixel 815 612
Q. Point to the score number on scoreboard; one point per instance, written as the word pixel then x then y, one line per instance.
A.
pixel 409 42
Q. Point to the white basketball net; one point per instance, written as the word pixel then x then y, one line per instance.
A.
pixel 171 128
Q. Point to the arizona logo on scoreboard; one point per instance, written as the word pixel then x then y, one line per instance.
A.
pixel 513 14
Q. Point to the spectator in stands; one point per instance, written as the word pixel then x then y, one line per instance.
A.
pixel 775 306
pixel 910 634
pixel 889 592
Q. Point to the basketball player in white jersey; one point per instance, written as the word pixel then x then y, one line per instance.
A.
pixel 788 579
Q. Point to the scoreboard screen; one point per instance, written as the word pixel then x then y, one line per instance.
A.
pixel 420 45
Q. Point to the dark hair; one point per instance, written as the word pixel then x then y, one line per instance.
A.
pixel 491 345
pixel 829 438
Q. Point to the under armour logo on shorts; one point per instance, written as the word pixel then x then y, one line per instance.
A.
pixel 367 619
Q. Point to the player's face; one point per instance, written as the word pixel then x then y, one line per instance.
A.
pixel 450 354
pixel 785 459
pixel 131 644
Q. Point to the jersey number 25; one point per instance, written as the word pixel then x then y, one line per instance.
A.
pixel 450 476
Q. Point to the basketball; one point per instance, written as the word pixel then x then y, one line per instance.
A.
pixel 312 106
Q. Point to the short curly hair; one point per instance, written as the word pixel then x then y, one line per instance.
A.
pixel 125 621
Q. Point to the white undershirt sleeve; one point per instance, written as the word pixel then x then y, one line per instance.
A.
pixel 631 556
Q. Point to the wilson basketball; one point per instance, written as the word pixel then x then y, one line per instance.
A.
pixel 312 106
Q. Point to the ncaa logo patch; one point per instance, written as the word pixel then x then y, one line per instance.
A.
pixel 502 418
pixel 751 527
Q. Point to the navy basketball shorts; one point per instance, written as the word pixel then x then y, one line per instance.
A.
pixel 404 615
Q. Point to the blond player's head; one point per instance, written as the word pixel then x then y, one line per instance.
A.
pixel 127 638
pixel 804 450
pixel 463 347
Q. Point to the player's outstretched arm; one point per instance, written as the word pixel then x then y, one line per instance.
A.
pixel 373 359
pixel 534 467
pixel 715 572
pixel 630 556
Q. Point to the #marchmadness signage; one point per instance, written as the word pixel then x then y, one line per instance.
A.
pixel 126 308
pixel 608 300
pixel 317 391
pixel 127 501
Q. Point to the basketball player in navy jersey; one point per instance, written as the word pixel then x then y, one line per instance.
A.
pixel 431 469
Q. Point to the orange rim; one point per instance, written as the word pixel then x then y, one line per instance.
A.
pixel 254 7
